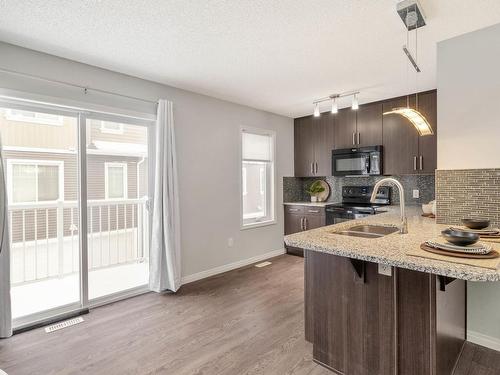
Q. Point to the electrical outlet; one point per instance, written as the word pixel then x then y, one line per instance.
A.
pixel 416 193
pixel 384 269
pixel 230 242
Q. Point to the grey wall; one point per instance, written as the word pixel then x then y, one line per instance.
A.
pixel 207 136
pixel 468 138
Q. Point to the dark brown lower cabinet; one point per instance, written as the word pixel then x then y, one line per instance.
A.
pixel 299 218
pixel 361 322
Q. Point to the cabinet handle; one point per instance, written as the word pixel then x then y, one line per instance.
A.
pixel 314 211
pixel 414 163
pixel 305 223
pixel 421 159
pixel 358 138
pixel 293 209
pixel 354 139
pixel 316 167
pixel 312 168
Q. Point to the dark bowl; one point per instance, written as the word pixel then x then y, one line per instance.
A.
pixel 476 223
pixel 460 238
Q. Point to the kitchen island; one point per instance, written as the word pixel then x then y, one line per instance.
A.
pixel 370 308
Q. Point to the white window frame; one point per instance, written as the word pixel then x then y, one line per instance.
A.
pixel 124 166
pixel 10 187
pixel 10 115
pixel 105 130
pixel 272 187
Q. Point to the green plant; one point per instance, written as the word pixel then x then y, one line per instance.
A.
pixel 315 188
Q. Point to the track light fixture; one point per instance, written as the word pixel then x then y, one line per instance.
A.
pixel 316 109
pixel 355 104
pixel 334 100
pixel 335 107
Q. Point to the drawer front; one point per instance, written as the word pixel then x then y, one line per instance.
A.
pixel 294 209
pixel 314 211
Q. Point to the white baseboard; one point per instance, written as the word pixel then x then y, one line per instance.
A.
pixel 230 266
pixel 483 340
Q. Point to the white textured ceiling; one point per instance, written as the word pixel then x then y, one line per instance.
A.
pixel 276 55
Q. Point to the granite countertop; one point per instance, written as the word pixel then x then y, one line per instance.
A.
pixel 391 249
pixel 311 204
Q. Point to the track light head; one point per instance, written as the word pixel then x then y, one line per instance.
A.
pixel 316 110
pixel 355 103
pixel 335 106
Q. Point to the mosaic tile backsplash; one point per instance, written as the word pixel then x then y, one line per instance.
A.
pixel 468 193
pixel 294 187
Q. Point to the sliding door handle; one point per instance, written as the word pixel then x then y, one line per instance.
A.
pixel 421 159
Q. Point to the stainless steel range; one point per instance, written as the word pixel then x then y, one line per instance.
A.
pixel 356 204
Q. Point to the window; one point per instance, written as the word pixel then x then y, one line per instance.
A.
pixel 115 180
pixel 257 177
pixel 33 117
pixel 33 181
pixel 109 127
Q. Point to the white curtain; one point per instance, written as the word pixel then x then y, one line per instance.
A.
pixel 5 309
pixel 165 258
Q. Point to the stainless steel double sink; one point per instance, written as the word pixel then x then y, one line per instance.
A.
pixel 368 231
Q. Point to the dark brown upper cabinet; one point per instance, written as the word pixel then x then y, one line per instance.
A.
pixel 359 128
pixel 313 145
pixel 369 125
pixel 405 152
pixel 345 128
pixel 427 145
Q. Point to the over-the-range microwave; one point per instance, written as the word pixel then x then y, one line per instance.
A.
pixel 357 161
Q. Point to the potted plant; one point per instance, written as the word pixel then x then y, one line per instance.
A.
pixel 314 189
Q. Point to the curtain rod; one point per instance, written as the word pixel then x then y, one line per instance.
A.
pixel 84 88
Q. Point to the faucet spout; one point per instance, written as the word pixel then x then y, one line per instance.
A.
pixel 403 227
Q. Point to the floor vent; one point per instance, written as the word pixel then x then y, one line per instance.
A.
pixel 263 264
pixel 65 324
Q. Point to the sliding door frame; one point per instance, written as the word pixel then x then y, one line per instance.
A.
pixel 81 116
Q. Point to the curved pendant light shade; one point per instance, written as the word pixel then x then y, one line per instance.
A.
pixel 415 117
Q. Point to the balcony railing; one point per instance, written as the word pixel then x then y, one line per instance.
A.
pixel 45 237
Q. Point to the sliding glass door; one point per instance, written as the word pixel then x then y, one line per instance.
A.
pixel 117 198
pixel 77 186
pixel 40 151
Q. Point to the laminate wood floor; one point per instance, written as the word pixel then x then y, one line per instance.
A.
pixel 247 321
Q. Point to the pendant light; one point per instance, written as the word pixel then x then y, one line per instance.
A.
pixel 316 109
pixel 335 107
pixel 416 118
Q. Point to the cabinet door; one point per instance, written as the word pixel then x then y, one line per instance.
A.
pixel 304 151
pixel 314 221
pixel 427 145
pixel 293 223
pixel 370 344
pixel 345 128
pixel 324 127
pixel 400 140
pixel 369 125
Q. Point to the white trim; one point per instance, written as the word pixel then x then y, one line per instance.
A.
pixel 58 163
pixel 231 266
pixel 124 166
pixel 105 130
pixel 38 150
pixel 483 340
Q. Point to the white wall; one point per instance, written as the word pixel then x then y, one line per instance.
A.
pixel 207 145
pixel 468 74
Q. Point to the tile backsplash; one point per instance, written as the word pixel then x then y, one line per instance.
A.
pixel 468 193
pixel 294 187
